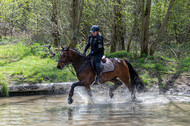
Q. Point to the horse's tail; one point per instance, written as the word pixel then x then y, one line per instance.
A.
pixel 136 82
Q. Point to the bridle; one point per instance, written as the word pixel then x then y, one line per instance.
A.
pixel 66 61
pixel 63 61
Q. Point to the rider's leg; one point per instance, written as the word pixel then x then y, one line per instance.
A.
pixel 97 59
pixel 98 72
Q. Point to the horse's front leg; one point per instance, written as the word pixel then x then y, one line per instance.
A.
pixel 70 100
pixel 89 91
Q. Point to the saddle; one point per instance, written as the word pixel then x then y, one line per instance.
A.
pixel 106 65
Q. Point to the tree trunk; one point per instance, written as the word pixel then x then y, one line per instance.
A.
pixel 154 44
pixel 55 30
pixel 118 30
pixel 142 23
pixel 145 34
pixel 114 30
pixel 121 27
pixel 132 34
pixel 113 39
pixel 25 11
pixel 134 29
pixel 76 13
pixel 122 34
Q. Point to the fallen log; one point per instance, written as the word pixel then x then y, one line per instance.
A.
pixel 37 88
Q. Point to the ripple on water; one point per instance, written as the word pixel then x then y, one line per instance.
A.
pixel 154 109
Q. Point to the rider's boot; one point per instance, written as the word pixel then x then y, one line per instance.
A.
pixel 98 74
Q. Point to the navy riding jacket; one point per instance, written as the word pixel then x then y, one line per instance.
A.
pixel 96 44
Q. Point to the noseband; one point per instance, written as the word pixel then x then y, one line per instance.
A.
pixel 67 58
pixel 62 61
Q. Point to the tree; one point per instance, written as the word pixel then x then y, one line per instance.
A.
pixel 154 44
pixel 118 30
pixel 25 15
pixel 145 27
pixel 76 13
pixel 55 30
pixel 134 29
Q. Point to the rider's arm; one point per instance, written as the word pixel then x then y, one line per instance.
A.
pixel 100 46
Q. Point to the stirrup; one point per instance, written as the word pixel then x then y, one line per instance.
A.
pixel 96 81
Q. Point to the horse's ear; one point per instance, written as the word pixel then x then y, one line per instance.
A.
pixel 62 47
pixel 68 47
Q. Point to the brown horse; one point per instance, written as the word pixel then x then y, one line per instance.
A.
pixel 86 76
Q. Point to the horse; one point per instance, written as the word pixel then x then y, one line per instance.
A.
pixel 123 73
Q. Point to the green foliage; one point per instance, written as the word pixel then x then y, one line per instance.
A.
pixel 162 85
pixel 4 88
pixel 32 19
pixel 119 54
pixel 185 64
pixel 160 67
pixel 148 80
pixel 150 57
pixel 142 60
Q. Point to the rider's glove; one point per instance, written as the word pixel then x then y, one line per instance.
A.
pixel 91 53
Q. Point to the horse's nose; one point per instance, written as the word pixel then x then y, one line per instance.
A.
pixel 59 67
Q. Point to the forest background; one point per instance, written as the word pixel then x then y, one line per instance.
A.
pixel 153 34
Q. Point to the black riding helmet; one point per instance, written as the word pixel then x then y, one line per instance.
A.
pixel 94 28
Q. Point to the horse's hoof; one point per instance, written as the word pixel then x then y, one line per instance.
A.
pixel 111 95
pixel 136 101
pixel 70 100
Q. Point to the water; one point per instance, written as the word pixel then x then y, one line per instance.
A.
pixel 154 110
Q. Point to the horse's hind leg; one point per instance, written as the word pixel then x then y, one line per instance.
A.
pixel 114 87
pixel 125 80
pixel 70 100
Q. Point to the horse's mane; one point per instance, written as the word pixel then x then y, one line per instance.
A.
pixel 77 52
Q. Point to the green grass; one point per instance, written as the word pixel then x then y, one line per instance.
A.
pixel 20 63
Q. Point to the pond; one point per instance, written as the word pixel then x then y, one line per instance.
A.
pixel 48 110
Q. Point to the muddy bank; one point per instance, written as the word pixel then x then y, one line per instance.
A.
pixel 174 84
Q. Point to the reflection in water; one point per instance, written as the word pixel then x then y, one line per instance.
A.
pixel 53 110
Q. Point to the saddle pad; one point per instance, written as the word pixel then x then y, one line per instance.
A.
pixel 108 66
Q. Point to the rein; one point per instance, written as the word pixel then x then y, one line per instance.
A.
pixel 82 66
pixel 70 70
pixel 67 65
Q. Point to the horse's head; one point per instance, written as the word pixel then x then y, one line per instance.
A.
pixel 64 57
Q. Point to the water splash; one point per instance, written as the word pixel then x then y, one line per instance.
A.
pixel 122 95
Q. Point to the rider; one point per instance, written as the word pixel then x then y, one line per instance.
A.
pixel 95 41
